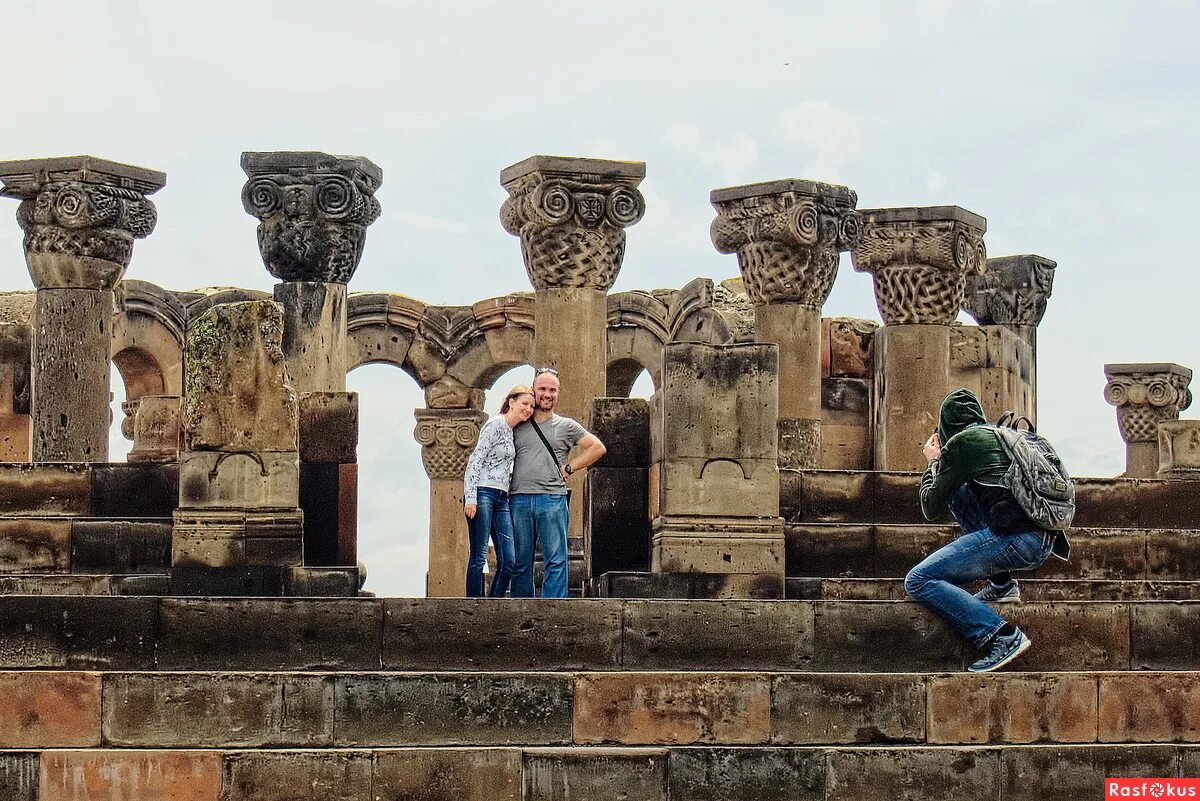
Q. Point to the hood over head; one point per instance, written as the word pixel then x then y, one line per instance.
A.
pixel 960 410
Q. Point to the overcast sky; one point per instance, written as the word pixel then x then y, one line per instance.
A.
pixel 1073 127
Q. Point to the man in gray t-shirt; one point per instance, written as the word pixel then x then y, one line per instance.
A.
pixel 538 494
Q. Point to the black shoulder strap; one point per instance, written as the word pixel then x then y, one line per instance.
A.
pixel 1011 420
pixel 545 442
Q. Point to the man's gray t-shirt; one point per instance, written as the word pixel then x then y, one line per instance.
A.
pixel 533 471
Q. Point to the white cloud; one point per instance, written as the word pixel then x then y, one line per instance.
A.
pixel 828 135
pixel 426 223
pixel 731 157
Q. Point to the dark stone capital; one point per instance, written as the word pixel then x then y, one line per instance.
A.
pixel 1013 291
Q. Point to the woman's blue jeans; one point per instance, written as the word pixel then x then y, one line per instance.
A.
pixel 493 519
pixel 936 582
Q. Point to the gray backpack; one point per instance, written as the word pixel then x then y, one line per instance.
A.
pixel 1037 478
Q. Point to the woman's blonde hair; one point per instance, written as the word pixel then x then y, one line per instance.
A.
pixel 514 393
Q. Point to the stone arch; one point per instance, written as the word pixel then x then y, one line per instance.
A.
pixel 198 301
pixel 638 327
pixel 148 339
pixel 380 329
pixel 499 339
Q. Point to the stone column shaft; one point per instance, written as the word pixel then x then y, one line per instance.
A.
pixel 919 259
pixel 314 334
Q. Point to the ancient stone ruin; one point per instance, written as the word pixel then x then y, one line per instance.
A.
pixel 189 624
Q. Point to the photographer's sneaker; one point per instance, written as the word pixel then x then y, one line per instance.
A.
pixel 1002 651
pixel 999 593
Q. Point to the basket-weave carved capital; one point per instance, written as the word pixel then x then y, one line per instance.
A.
pixel 314 211
pixel 787 235
pixel 919 259
pixel 447 437
pixel 1013 291
pixel 1146 395
pixel 80 215
pixel 570 215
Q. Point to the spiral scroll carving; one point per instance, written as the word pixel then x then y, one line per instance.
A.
pixel 1145 399
pixel 313 220
pixel 919 268
pixel 572 232
pixel 788 243
pixel 447 441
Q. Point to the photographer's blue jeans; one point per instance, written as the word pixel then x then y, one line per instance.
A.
pixel 936 582
pixel 540 518
pixel 493 519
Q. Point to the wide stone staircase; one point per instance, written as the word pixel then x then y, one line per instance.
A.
pixel 844 691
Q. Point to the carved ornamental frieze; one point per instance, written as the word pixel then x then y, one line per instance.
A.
pixel 919 259
pixel 570 215
pixel 80 215
pixel 314 210
pixel 1146 395
pixel 788 236
pixel 447 437
pixel 1012 291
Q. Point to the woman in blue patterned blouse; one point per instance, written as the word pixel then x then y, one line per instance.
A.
pixel 485 493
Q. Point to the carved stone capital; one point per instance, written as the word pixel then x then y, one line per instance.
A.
pixel 787 236
pixel 570 215
pixel 919 259
pixel 1146 395
pixel 447 437
pixel 1013 291
pixel 80 215
pixel 314 210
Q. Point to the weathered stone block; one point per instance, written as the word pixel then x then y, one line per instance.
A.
pixel 633 773
pixel 238 345
pixel 224 582
pixel 1113 554
pixel 618 529
pixel 623 425
pixel 19 776
pixel 49 710
pixel 911 774
pixel 327 582
pixel 736 774
pixel 847 708
pixel 448 774
pixel 851 350
pixel 479 709
pixel 1165 636
pixel 1012 708
pixel 717 635
pixel 1077 772
pixel 156 431
pixel 672 708
pixel 298 776
pixel 1149 708
pixel 717 545
pixel 120 546
pixel 144 489
pixel 143 775
pixel 1173 554
pixel 513 635
pixel 883 637
pixel 262 634
pixel 823 550
pixel 329 426
pixel 221 480
pixel 1075 636
pixel 749 488
pixel 77 633
pixel 217 710
pixel 45 489
pixel 33 545
pixel 314 331
pixel 15 438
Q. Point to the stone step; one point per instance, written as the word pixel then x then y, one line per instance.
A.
pixel 46 544
pixel 119 490
pixel 1032 590
pixel 53 709
pixel 199 634
pixel 692 773
pixel 856 496
pixel 85 584
pixel 850 550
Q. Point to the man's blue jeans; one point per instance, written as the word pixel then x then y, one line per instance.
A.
pixel 978 553
pixel 540 518
pixel 492 519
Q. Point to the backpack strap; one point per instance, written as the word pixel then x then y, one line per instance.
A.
pixel 1011 420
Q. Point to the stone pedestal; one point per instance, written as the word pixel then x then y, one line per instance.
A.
pixel 329 477
pixel 570 215
pixel 80 216
pixel 919 259
pixel 788 235
pixel 156 432
pixel 714 477
pixel 1145 395
pixel 447 437
pixel 616 536
pixel 1179 449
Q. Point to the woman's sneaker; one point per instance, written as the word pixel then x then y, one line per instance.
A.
pixel 1002 651
pixel 999 593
